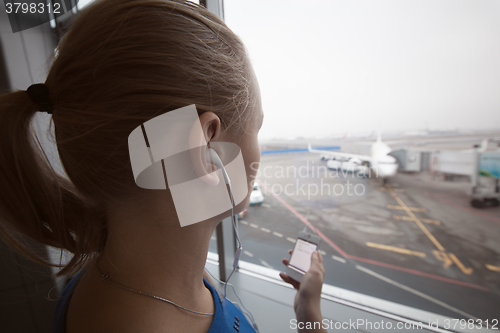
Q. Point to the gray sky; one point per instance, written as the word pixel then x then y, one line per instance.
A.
pixel 327 67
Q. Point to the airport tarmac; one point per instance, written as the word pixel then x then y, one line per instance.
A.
pixel 415 241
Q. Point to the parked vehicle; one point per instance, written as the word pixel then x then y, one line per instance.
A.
pixel 256 197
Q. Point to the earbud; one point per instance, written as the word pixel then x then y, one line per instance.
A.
pixel 213 157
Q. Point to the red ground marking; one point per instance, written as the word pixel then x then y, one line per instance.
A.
pixel 369 261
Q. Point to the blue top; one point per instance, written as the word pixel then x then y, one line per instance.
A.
pixel 227 317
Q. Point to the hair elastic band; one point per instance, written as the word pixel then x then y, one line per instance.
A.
pixel 39 94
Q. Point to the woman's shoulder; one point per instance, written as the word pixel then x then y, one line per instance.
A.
pixel 88 305
pixel 94 307
pixel 228 317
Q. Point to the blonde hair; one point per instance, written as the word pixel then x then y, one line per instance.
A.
pixel 121 63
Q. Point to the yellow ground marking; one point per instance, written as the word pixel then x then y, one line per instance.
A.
pixel 442 256
pixel 493 268
pixel 397 190
pixel 465 270
pixel 417 221
pixel 436 222
pixel 407 218
pixel 395 249
pixel 381 184
pixel 413 209
pixel 449 258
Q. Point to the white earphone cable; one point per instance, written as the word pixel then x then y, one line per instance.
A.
pixel 247 313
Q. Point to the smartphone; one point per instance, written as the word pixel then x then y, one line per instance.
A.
pixel 300 261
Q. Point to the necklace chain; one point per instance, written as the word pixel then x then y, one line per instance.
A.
pixel 105 277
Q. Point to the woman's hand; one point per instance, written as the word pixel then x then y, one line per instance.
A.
pixel 308 297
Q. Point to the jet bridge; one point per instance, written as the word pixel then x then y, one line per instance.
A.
pixel 482 168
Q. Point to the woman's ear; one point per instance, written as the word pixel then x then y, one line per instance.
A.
pixel 202 132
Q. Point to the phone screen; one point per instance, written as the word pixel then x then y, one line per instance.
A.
pixel 301 256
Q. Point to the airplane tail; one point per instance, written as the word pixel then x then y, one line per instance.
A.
pixel 484 145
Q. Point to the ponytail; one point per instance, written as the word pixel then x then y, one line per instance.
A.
pixel 36 203
pixel 120 64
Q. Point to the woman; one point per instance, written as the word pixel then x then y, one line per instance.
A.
pixel 122 63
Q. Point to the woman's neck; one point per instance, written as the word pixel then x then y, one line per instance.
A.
pixel 149 251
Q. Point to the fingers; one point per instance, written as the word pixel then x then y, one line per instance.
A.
pixel 317 263
pixel 286 261
pixel 320 257
pixel 288 279
pixel 317 257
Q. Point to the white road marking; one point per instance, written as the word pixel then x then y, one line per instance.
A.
pixel 243 222
pixel 265 263
pixel 277 234
pixel 254 225
pixel 342 260
pixel 266 205
pixel 248 253
pixel 265 230
pixel 290 239
pixel 415 292
pixel 212 238
pixel 323 253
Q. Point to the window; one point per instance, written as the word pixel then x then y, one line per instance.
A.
pixel 393 97
pixel 83 3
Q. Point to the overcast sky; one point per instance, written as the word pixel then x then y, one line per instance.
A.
pixel 327 67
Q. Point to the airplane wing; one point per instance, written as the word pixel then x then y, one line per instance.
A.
pixel 339 154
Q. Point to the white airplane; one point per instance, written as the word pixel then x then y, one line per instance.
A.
pixel 380 162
